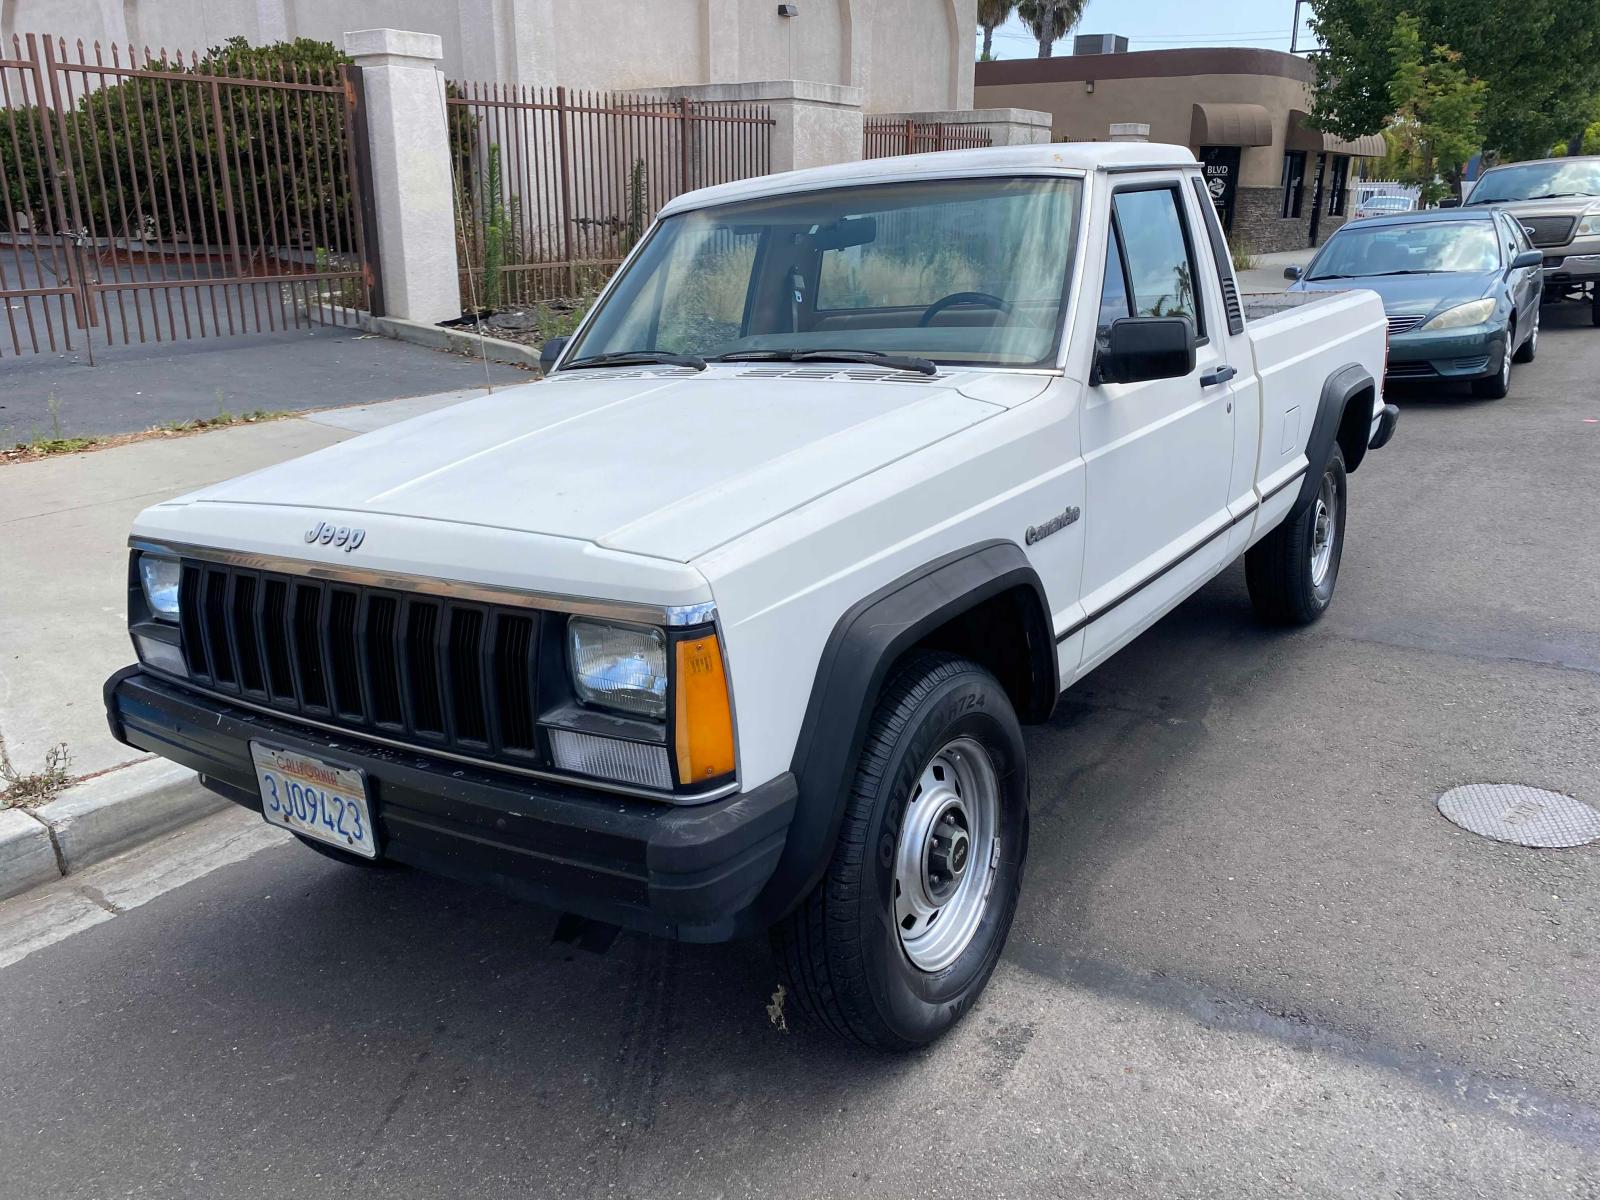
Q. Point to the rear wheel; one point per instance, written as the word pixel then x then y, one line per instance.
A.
pixel 1292 571
pixel 1498 385
pixel 1594 303
pixel 901 935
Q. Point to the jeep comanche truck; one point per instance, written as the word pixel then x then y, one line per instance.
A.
pixel 1557 200
pixel 732 623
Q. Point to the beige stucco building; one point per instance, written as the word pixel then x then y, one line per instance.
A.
pixel 903 55
pixel 1279 184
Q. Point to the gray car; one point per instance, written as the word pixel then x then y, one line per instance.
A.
pixel 1460 287
pixel 1557 202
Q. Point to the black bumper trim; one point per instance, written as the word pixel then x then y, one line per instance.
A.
pixel 681 871
pixel 1387 420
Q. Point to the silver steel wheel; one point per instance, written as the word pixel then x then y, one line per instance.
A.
pixel 945 860
pixel 1533 335
pixel 1324 530
pixel 1505 367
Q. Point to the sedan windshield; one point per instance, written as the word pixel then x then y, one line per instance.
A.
pixel 1538 181
pixel 1421 247
pixel 953 270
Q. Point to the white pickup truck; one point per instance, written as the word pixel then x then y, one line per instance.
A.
pixel 732 623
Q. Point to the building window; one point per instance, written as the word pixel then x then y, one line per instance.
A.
pixel 1294 182
pixel 1340 186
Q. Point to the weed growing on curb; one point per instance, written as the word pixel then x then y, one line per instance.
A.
pixel 26 791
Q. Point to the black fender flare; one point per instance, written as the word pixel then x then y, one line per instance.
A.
pixel 1338 390
pixel 854 666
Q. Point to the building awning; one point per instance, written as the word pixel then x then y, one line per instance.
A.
pixel 1303 137
pixel 1230 125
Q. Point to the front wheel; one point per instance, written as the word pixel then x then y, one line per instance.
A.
pixel 1498 385
pixel 1530 348
pixel 1292 571
pixel 899 938
pixel 1594 305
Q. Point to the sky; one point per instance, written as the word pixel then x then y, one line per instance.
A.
pixel 1164 24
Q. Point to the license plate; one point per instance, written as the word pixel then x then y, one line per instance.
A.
pixel 318 799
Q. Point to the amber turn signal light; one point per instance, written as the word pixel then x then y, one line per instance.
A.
pixel 704 732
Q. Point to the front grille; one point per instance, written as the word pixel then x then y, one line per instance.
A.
pixel 1405 322
pixel 1549 231
pixel 426 670
pixel 1410 370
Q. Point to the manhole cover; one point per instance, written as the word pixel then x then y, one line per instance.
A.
pixel 1524 816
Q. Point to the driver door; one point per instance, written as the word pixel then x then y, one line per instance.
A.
pixel 1158 454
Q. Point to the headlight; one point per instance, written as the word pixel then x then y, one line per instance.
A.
pixel 620 667
pixel 1462 315
pixel 160 578
pixel 1590 225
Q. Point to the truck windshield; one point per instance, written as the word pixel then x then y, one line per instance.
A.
pixel 1416 248
pixel 952 270
pixel 1538 181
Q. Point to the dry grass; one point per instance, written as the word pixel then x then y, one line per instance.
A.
pixel 38 787
pixel 39 447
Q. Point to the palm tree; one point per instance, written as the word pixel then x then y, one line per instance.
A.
pixel 1050 20
pixel 991 15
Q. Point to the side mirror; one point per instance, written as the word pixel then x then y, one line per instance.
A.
pixel 1293 272
pixel 549 352
pixel 1528 258
pixel 1136 349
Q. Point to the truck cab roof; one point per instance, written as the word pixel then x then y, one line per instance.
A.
pixel 1048 158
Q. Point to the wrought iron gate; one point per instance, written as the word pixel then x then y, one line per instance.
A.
pixel 186 197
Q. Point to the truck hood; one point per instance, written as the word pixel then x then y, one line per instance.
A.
pixel 664 462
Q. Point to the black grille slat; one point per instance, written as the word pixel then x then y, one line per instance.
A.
pixel 273 624
pixel 344 669
pixel 469 718
pixel 512 671
pixel 214 621
pixel 426 669
pixel 242 633
pixel 194 643
pixel 382 664
pixel 420 662
pixel 306 646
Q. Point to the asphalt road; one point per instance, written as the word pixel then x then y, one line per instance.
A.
pixel 1251 959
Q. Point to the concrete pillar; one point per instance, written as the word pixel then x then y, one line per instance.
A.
pixel 412 192
pixel 1130 131
pixel 814 124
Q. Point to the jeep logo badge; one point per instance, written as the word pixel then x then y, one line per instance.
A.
pixel 342 536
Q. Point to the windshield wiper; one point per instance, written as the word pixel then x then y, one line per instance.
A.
pixel 1558 195
pixel 1407 271
pixel 623 358
pixel 875 358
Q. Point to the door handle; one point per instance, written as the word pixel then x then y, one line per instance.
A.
pixel 1217 375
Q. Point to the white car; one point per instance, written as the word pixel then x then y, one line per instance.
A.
pixel 733 622
pixel 1384 206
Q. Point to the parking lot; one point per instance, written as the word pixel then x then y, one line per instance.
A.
pixel 1251 960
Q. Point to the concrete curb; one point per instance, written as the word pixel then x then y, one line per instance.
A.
pixel 96 819
pixel 456 340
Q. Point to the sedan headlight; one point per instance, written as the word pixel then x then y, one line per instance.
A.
pixel 619 667
pixel 160 577
pixel 1462 315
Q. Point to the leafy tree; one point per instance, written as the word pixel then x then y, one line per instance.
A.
pixel 1539 60
pixel 1436 109
pixel 991 15
pixel 1050 20
pixel 1591 139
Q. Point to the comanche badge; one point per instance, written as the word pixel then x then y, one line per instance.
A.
pixel 1037 533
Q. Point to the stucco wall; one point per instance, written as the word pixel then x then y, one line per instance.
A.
pixel 903 54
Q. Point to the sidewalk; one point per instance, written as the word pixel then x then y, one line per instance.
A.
pixel 64 564
pixel 1267 274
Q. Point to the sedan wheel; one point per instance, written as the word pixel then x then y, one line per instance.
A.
pixel 1529 348
pixel 1497 386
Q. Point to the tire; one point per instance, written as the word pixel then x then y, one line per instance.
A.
pixel 1594 305
pixel 1498 385
pixel 1290 580
pixel 1526 352
pixel 943 738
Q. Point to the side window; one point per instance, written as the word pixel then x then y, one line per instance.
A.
pixel 1114 292
pixel 1155 239
pixel 1509 243
pixel 1517 240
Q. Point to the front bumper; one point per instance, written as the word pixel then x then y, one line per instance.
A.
pixel 1571 267
pixel 1471 353
pixel 689 872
